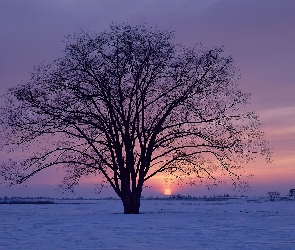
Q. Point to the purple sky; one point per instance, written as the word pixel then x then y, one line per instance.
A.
pixel 259 34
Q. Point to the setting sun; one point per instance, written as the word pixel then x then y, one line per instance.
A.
pixel 167 192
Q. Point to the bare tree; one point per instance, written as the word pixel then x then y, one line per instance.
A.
pixel 292 193
pixel 128 104
pixel 273 195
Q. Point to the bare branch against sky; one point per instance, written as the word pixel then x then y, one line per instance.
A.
pixel 260 36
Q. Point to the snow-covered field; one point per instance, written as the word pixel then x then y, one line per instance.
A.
pixel 162 224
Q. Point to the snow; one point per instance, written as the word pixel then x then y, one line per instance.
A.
pixel 163 224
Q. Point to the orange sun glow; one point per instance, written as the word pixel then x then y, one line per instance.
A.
pixel 167 192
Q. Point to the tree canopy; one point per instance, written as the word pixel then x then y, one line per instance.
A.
pixel 127 104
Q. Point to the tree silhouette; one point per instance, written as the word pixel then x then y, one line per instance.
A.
pixel 273 195
pixel 127 104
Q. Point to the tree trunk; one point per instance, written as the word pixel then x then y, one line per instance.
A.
pixel 131 203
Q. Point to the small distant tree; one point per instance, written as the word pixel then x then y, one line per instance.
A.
pixel 292 193
pixel 128 104
pixel 5 199
pixel 273 195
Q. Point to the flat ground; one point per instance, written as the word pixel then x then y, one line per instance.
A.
pixel 162 224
